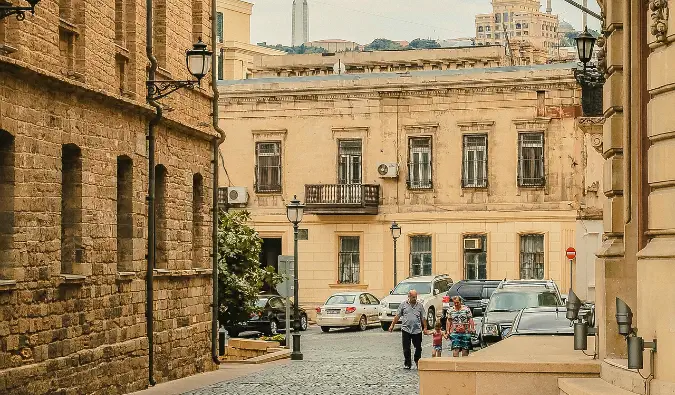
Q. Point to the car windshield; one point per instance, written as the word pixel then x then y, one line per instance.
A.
pixel 544 321
pixel 470 291
pixel 341 299
pixel 514 301
pixel 261 302
pixel 404 288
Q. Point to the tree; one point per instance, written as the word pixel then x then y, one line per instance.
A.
pixel 420 43
pixel 240 276
pixel 302 49
pixel 382 44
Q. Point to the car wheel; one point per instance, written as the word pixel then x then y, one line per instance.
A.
pixel 303 322
pixel 325 329
pixel 363 324
pixel 385 325
pixel 431 318
pixel 273 327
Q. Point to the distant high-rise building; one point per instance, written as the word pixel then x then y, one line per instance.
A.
pixel 300 22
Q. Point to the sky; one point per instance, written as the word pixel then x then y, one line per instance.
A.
pixel 365 20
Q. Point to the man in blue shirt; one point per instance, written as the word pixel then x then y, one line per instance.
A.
pixel 413 324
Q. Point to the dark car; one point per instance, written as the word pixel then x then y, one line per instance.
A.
pixel 505 304
pixel 270 318
pixel 542 321
pixel 475 295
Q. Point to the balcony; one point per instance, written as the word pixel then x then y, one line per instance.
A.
pixel 340 199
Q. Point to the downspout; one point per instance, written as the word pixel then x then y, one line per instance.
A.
pixel 149 299
pixel 216 150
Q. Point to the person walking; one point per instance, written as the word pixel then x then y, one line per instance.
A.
pixel 460 325
pixel 413 324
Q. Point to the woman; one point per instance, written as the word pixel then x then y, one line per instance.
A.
pixel 459 327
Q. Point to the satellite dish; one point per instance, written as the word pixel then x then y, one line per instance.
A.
pixel 339 68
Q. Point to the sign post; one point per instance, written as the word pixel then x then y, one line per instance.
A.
pixel 285 288
pixel 571 254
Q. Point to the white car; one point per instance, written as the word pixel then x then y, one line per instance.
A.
pixel 348 309
pixel 430 291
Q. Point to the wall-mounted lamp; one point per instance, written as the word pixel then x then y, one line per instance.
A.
pixel 7 8
pixel 624 317
pixel 582 323
pixel 636 344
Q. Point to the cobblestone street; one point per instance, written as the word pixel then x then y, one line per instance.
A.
pixel 339 362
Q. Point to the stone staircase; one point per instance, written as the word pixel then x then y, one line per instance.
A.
pixel 615 379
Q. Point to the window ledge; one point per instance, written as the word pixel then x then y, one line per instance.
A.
pixel 348 286
pixel 73 279
pixel 68 27
pixel 182 273
pixel 126 276
pixel 7 285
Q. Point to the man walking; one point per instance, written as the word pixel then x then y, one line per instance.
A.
pixel 413 324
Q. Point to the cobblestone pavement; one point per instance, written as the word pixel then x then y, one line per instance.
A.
pixel 343 362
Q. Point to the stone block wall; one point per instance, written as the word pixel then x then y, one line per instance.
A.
pixel 242 349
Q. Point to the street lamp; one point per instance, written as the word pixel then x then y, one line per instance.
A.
pixel 395 234
pixel 590 79
pixel 198 60
pixel 7 9
pixel 294 212
pixel 585 42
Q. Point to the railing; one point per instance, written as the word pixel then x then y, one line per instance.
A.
pixel 342 195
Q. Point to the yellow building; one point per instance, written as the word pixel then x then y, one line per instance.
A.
pixel 483 169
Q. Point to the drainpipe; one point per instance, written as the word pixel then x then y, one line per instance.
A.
pixel 149 299
pixel 216 150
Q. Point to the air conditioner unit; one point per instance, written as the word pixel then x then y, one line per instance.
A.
pixel 237 195
pixel 388 170
pixel 473 244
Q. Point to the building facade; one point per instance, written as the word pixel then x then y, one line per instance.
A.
pixel 521 20
pixel 482 169
pixel 73 124
pixel 334 45
pixel 300 23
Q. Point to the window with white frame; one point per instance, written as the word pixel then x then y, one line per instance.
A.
pixel 268 166
pixel 475 257
pixel 420 256
pixel 474 164
pixel 532 257
pixel 349 161
pixel 531 159
pixel 419 163
pixel 349 260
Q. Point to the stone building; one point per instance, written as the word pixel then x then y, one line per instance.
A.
pixel 74 180
pixel 484 169
pixel 521 20
pixel 334 45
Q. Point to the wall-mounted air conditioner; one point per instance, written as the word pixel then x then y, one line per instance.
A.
pixel 387 170
pixel 237 195
pixel 473 244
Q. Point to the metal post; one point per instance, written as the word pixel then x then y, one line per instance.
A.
pixel 296 355
pixel 571 274
pixel 395 263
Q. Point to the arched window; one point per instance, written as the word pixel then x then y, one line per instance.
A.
pixel 6 204
pixel 480 29
pixel 125 221
pixel 161 259
pixel 518 26
pixel 198 221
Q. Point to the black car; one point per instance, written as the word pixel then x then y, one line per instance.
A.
pixel 270 318
pixel 541 321
pixel 475 295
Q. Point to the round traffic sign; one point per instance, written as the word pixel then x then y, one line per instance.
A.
pixel 571 253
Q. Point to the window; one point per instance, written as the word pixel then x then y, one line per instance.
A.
pixel 487 28
pixel 498 18
pixel 349 161
pixel 475 260
pixel 198 253
pixel 268 166
pixel 7 182
pixel 372 299
pixel 161 259
pixel 441 285
pixel 524 25
pixel 532 257
pixel 220 64
pixel 71 208
pixel 518 25
pixel 125 221
pixel 531 159
pixel 349 260
pixel 419 165
pixel 363 299
pixel 420 256
pixel 219 26
pixel 120 24
pixel 480 29
pixel 506 17
pixel 489 35
pixel 475 161
pixel 497 35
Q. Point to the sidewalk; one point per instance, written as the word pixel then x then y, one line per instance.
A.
pixel 226 372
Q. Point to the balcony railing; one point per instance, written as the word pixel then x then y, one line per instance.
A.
pixel 331 199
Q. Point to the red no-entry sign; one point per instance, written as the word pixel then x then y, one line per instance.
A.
pixel 571 253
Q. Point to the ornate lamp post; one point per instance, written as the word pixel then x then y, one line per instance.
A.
pixel 590 79
pixel 7 9
pixel 395 234
pixel 294 212
pixel 198 60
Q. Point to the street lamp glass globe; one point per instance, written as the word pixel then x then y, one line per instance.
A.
pixel 198 60
pixel 395 230
pixel 585 42
pixel 295 210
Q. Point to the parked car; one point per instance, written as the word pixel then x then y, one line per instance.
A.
pixel 475 295
pixel 348 309
pixel 270 318
pixel 509 298
pixel 541 321
pixel 430 291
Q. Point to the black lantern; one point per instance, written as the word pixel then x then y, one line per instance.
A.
pixel 198 59
pixel 7 9
pixel 395 230
pixel 585 42
pixel 294 211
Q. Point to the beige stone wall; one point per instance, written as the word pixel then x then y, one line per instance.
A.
pixel 236 20
pixel 85 331
pixel 308 118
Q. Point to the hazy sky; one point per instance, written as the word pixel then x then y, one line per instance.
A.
pixel 364 20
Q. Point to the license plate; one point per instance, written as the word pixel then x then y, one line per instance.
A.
pixel 391 313
pixel 333 311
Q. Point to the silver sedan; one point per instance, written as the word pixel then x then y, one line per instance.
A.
pixel 348 309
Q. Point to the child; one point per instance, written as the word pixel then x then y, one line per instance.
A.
pixel 437 343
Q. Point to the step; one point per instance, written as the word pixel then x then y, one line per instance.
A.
pixel 616 372
pixel 589 386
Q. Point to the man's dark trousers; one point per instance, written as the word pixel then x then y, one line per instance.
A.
pixel 417 343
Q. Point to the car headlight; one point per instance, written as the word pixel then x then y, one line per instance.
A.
pixel 490 329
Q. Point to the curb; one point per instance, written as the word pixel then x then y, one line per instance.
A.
pixel 275 356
